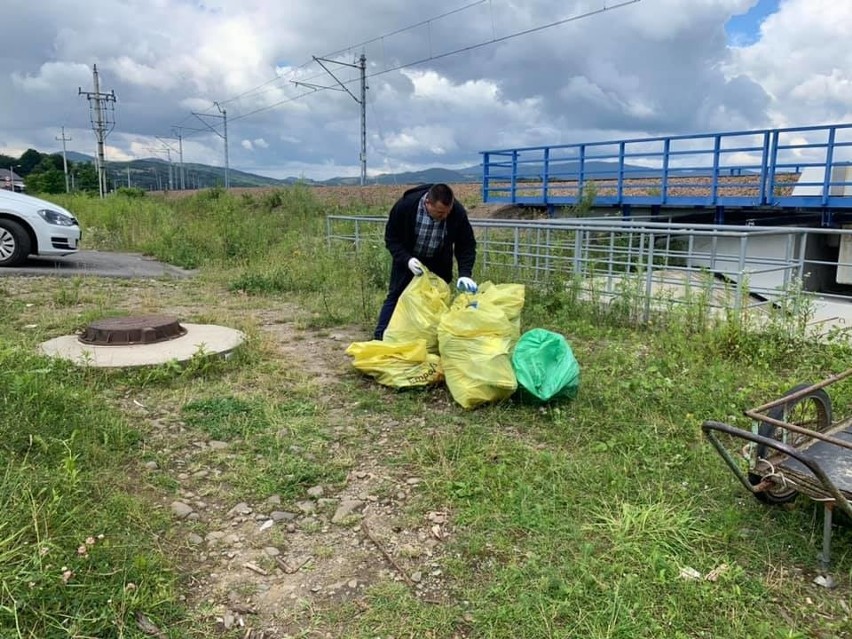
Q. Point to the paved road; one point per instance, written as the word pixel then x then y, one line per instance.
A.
pixel 98 263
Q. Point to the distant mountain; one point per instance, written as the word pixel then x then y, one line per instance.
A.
pixel 155 174
pixel 427 176
pixel 74 156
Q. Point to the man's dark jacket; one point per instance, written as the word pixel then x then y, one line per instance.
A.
pixel 401 235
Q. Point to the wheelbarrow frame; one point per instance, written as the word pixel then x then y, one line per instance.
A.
pixel 815 481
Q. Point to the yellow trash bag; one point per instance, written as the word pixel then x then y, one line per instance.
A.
pixel 418 311
pixel 475 343
pixel 401 365
pixel 507 297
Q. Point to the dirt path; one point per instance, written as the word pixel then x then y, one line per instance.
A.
pixel 265 567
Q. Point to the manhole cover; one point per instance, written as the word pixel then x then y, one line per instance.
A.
pixel 122 331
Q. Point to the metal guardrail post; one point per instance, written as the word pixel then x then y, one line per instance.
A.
pixel 788 258
pixel 773 162
pixel 486 176
pixel 764 169
pixel 829 160
pixel 714 187
pixel 485 251
pixel 516 248
pixel 545 178
pixel 611 260
pixel 803 245
pixel 547 265
pixel 578 247
pixel 714 244
pixel 649 280
pixel 738 300
pixel 620 195
pixel 664 188
pixel 537 254
pixel 514 189
pixel 581 183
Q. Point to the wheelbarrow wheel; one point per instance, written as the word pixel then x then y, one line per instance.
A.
pixel 812 411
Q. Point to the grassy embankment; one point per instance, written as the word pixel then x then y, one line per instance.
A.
pixel 572 520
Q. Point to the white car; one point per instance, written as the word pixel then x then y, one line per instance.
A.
pixel 30 226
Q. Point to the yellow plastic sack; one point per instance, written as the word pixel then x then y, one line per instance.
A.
pixel 418 311
pixel 475 343
pixel 507 297
pixel 401 365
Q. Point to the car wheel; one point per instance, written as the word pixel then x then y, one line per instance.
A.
pixel 14 243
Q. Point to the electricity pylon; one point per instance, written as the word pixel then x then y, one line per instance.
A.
pixel 362 66
pixel 102 115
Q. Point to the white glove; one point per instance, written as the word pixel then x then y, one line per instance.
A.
pixel 466 285
pixel 415 266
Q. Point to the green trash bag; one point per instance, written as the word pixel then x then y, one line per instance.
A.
pixel 545 366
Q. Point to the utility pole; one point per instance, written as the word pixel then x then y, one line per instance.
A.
pixel 171 171
pixel 362 67
pixel 102 115
pixel 185 181
pixel 179 133
pixel 227 163
pixel 65 159
pixel 362 64
pixel 224 136
pixel 168 149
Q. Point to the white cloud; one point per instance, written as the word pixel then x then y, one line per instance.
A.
pixel 252 145
pixel 436 140
pixel 802 61
pixel 53 77
pixel 431 86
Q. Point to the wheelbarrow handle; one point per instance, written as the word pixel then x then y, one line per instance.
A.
pixel 711 430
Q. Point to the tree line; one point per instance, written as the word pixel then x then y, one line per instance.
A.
pixel 44 172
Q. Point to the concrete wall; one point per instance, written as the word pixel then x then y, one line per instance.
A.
pixel 769 260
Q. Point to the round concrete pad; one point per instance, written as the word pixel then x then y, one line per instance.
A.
pixel 206 338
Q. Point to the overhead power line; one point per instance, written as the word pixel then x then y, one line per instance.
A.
pixel 404 29
pixel 517 34
pixel 479 45
pixel 349 48
pixel 341 85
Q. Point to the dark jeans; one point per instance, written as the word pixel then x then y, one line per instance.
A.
pixel 399 279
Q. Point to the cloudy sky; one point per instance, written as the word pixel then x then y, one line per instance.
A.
pixel 653 67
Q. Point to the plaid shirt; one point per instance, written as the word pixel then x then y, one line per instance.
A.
pixel 429 233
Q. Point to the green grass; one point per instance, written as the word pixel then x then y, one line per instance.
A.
pixel 78 553
pixel 575 519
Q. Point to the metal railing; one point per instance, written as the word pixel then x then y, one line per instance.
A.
pixel 735 266
pixel 736 169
